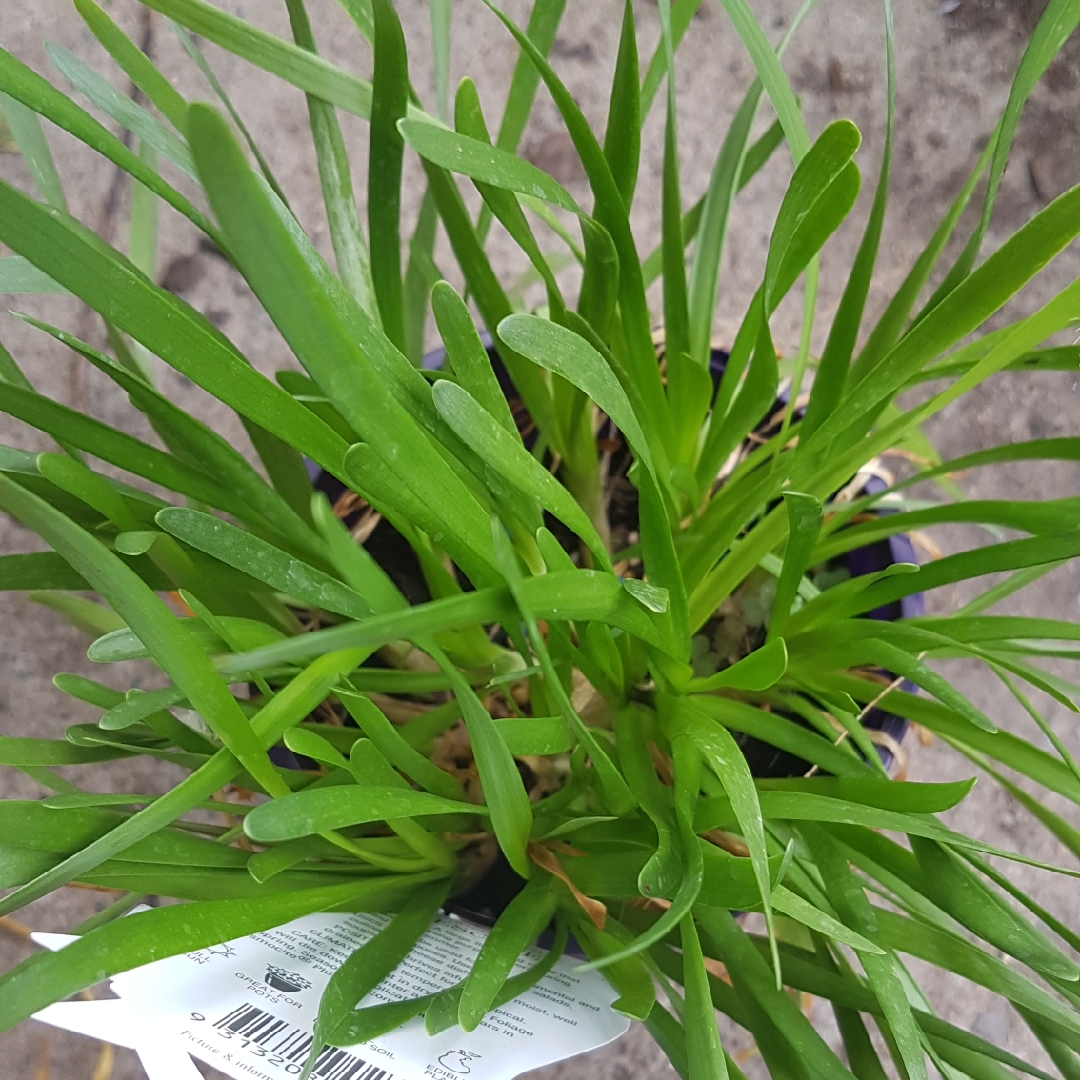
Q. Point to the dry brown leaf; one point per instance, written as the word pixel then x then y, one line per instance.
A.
pixel 106 1059
pixel 716 969
pixel 14 927
pixel 726 842
pixel 44 1060
pixel 546 860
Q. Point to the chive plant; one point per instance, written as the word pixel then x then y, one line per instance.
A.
pixel 606 678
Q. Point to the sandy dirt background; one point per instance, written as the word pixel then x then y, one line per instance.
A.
pixel 955 59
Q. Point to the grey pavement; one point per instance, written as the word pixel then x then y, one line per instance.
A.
pixel 954 64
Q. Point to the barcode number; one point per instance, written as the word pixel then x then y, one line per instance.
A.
pixel 276 1039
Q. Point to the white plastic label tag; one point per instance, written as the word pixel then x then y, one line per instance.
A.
pixel 247 1007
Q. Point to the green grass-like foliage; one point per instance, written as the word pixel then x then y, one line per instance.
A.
pixel 600 666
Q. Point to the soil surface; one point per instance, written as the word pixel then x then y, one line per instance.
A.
pixel 955 59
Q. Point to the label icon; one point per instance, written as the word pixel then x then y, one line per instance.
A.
pixel 289 982
pixel 457 1061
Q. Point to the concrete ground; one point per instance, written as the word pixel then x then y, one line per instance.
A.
pixel 954 63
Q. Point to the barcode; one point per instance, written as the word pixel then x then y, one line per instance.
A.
pixel 292 1045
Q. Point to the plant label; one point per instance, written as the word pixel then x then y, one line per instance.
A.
pixel 247 1007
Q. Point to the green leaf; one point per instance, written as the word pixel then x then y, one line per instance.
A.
pixel 722 754
pixel 804 806
pixel 153 935
pixel 125 644
pixel 682 14
pixel 442 1008
pixel 1010 555
pixel 121 108
pixel 663 872
pixel 305 813
pixel 262 560
pixel 890 326
pixel 688 389
pixel 854 647
pixel 756 672
pixel 771 75
pixel 661 561
pixel 751 975
pixel 134 63
pixel 483 162
pixel 372 962
pixel 504 790
pixel 26 129
pixel 160 631
pixel 505 454
pixel 75 478
pixel 936 873
pixel 389 100
pixel 441 19
pixel 21 752
pixel 731 163
pixel 488 294
pixel 167 326
pixel 368 1023
pixel 846 894
pixel 289 706
pixel 86 615
pixel 189 438
pixel 113 446
pixel 583 595
pixel 804 974
pixel 335 176
pixel 610 212
pixel 629 977
pixel 17 275
pixel 908 798
pixel 653 597
pixel 295 65
pixel 32 91
pixel 1054 515
pixel 622 136
pixel 804 523
pixel 467 355
pixel 686 766
pixel 704 1053
pixel 421 276
pixel 138 705
pixel 1056 24
pixel 361 14
pixel 544 20
pixel 46 570
pixel 514 930
pixel 388 490
pixel 1064 449
pixel 976 298
pixel 795 907
pixel 571 356
pixel 952 952
pixel 822 174
pixel 353 562
pixel 143 247
pixel 319 335
pixel 390 743
pixel 191 47
pixel 835 363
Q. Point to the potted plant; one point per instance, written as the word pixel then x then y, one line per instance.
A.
pixel 565 688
